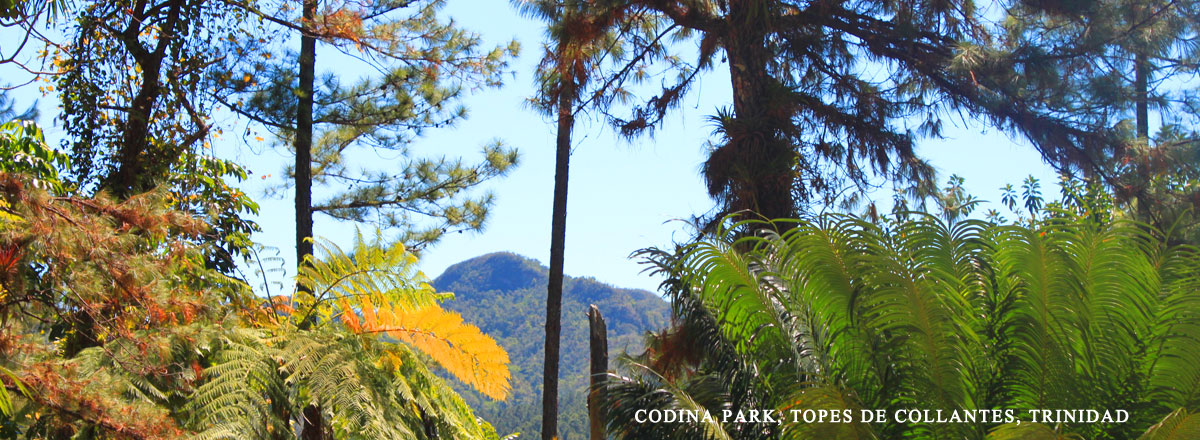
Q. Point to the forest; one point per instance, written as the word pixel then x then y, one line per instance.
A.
pixel 838 276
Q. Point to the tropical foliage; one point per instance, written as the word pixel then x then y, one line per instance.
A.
pixel 116 328
pixel 324 347
pixel 842 313
pixel 106 307
pixel 122 314
pixel 23 149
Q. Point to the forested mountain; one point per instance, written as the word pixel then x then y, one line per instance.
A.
pixel 505 295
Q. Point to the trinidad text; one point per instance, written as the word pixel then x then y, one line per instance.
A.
pixel 906 416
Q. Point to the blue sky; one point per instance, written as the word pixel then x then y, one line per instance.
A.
pixel 623 195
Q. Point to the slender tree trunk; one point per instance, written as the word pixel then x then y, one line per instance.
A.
pixel 598 342
pixel 304 134
pixel 313 427
pixel 1141 86
pixel 558 235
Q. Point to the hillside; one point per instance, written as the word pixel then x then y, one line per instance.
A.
pixel 505 295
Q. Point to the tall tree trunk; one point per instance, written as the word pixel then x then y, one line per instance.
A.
pixel 304 135
pixel 313 427
pixel 754 169
pixel 1141 86
pixel 558 238
pixel 598 342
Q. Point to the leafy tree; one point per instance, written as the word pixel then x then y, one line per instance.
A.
pixel 841 313
pixel 117 329
pixel 828 96
pixel 23 150
pixel 106 306
pixel 1136 49
pixel 132 85
pixel 1140 52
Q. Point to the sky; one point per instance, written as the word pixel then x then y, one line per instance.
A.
pixel 623 196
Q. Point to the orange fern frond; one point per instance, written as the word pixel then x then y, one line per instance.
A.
pixel 461 348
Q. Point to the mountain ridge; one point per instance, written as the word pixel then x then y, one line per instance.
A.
pixel 505 295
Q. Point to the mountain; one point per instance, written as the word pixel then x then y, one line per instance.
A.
pixel 505 295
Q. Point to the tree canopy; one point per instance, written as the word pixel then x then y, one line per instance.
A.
pixel 828 97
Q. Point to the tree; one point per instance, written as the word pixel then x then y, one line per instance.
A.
pixel 840 313
pixel 579 35
pixel 135 113
pixel 116 328
pixel 24 151
pixel 425 66
pixel 828 97
pixel 106 306
pixel 1139 52
pixel 563 59
pixel 1136 49
pixel 129 84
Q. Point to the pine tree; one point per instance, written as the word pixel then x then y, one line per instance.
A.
pixel 1139 53
pixel 827 98
pixel 426 65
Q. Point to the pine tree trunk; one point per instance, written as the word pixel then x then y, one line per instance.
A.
pixel 304 134
pixel 598 342
pixel 558 233
pixel 313 427
pixel 755 160
pixel 1141 86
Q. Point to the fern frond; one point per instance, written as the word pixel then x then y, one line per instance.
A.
pixel 1029 431
pixel 386 273
pixel 1178 425
pixel 462 349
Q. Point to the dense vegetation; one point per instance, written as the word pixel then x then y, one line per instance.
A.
pixel 840 313
pixel 126 311
pixel 505 294
pixel 115 327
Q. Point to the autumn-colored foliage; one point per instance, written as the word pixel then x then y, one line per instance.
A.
pixel 105 304
pixel 353 342
pixel 378 291
pixel 114 325
pixel 462 349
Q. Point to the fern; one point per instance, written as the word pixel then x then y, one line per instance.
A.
pixel 462 349
pixel 327 349
pixel 841 313
pixel 1178 425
